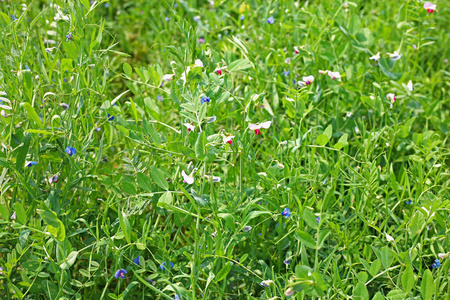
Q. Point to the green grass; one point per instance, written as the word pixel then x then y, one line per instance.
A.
pixel 366 180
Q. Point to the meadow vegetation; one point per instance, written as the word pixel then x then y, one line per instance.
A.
pixel 224 149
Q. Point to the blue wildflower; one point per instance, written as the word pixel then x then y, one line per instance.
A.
pixel 27 67
pixel 110 118
pixel 436 264
pixel 160 98
pixel 69 36
pixel 408 202
pixel 162 266
pixel 177 297
pixel 242 17
pixel 137 261
pixel 167 19
pixel 106 5
pixel 71 151
pixel 271 20
pixel 318 220
pixel 13 18
pixel 64 79
pixel 120 273
pixel 31 163
pixel 204 100
pixel 287 261
pixel 286 213
pixel 286 73
pixel 324 182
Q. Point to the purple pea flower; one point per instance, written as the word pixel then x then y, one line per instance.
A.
pixel 271 20
pixel 436 264
pixel 137 261
pixel 120 273
pixel 69 36
pixel 204 100
pixel 162 266
pixel 286 213
pixel 71 151
pixel 31 163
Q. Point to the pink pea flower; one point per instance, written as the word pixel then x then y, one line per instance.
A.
pixel 257 127
pixel 430 7
pixel 296 50
pixel 289 292
pixel 53 179
pixel 190 127
pixel 410 86
pixel 323 72
pixel 308 79
pixel 334 75
pixel 391 97
pixel 189 179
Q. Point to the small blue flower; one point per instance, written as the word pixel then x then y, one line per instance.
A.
pixel 71 151
pixel 408 202
pixel 264 284
pixel 286 73
pixel 106 5
pixel 271 20
pixel 31 163
pixel 318 220
pixel 324 182
pixel 110 118
pixel 13 18
pixel 64 79
pixel 436 264
pixel 160 98
pixel 177 297
pixel 27 67
pixel 137 261
pixel 167 19
pixel 162 266
pixel 287 261
pixel 69 36
pixel 242 17
pixel 120 273
pixel 286 213
pixel 204 100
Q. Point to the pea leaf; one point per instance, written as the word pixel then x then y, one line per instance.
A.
pixel 159 178
pixel 32 115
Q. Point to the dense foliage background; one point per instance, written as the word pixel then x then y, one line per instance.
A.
pixel 129 168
